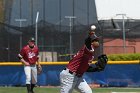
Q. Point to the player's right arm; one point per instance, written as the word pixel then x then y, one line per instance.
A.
pixel 20 56
pixel 22 60
pixel 88 40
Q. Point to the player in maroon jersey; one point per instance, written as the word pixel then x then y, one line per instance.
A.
pixel 29 57
pixel 71 76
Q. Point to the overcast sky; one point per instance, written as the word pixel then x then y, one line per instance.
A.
pixel 107 9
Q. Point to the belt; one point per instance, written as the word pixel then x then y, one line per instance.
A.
pixel 73 73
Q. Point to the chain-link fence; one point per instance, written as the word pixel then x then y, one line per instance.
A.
pixel 62 27
pixel 55 26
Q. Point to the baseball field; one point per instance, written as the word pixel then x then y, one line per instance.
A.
pixel 56 90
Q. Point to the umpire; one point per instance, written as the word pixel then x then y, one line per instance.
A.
pixel 29 56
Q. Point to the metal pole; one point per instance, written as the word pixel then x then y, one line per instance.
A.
pixel 36 29
pixel 20 25
pixel 70 29
pixel 123 28
pixel 124 43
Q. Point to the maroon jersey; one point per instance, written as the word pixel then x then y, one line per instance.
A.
pixel 80 62
pixel 30 55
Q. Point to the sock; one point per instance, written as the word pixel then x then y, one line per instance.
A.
pixel 28 87
pixel 32 87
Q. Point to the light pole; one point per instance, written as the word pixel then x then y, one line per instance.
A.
pixel 36 28
pixel 70 29
pixel 123 30
pixel 20 25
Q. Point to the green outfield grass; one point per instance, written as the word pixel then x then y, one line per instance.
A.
pixel 56 90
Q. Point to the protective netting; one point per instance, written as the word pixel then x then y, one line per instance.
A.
pixel 53 27
pixel 57 18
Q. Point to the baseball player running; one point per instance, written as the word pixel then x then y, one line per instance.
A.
pixel 29 56
pixel 71 76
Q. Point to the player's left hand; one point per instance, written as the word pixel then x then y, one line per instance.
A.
pixel 39 69
pixel 102 61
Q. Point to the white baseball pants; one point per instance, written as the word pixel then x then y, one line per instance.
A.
pixel 70 82
pixel 31 74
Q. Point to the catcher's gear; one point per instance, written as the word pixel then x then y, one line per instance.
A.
pixel 39 69
pixel 102 61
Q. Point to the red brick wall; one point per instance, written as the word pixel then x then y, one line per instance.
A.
pixel 116 46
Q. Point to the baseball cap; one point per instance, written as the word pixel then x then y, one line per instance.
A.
pixel 31 39
pixel 94 38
